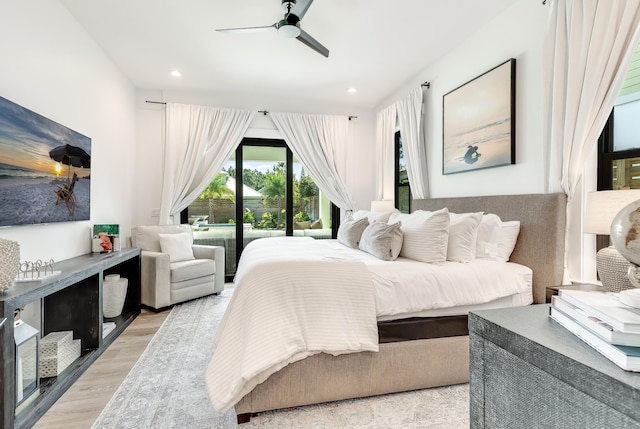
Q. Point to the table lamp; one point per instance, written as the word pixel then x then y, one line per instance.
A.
pixel 382 206
pixel 601 208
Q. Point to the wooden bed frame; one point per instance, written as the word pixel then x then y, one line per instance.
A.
pixel 419 364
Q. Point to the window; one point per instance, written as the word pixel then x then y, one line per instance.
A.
pixel 619 143
pixel 402 188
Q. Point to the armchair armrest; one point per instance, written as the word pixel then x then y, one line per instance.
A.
pixel 202 251
pixel 155 279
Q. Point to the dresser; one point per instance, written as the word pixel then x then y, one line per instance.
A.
pixel 527 371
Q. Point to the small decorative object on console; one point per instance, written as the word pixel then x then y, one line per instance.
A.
pixel 9 263
pixel 105 238
pixel 115 292
pixel 57 351
pixel 34 271
pixel 26 354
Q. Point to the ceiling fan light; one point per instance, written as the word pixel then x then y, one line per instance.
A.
pixel 289 31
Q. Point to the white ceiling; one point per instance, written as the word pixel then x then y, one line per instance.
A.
pixel 376 46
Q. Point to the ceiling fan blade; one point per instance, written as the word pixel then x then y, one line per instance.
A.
pixel 301 8
pixel 306 38
pixel 248 29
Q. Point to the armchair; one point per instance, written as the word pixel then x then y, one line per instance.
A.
pixel 173 269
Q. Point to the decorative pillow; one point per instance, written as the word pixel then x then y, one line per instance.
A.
pixel 178 246
pixel 425 235
pixel 317 224
pixel 508 238
pixel 382 240
pixel 496 239
pixel 302 225
pixel 373 216
pixel 350 231
pixel 463 234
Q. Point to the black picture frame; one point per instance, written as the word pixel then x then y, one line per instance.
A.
pixel 479 122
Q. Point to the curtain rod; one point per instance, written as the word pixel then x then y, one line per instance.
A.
pixel 264 112
pixel 427 84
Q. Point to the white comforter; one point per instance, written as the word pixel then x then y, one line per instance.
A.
pixel 287 305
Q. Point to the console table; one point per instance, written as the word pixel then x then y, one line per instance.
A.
pixel 70 301
pixel 527 371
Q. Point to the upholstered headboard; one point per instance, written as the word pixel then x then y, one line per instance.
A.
pixel 541 242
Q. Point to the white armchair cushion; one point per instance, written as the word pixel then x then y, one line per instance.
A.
pixel 178 246
pixel 187 270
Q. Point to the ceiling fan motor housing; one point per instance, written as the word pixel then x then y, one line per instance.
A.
pixel 288 29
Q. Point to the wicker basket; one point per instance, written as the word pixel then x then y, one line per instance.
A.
pixel 613 269
pixel 114 294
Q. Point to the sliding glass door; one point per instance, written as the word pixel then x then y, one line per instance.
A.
pixel 263 184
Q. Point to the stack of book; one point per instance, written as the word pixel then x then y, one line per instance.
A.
pixel 603 322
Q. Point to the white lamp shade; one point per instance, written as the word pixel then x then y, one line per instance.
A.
pixel 383 206
pixel 603 206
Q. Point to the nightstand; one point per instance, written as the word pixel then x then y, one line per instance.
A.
pixel 553 290
pixel 528 372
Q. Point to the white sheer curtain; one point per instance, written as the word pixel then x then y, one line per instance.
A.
pixel 410 118
pixel 589 46
pixel 385 139
pixel 198 141
pixel 315 140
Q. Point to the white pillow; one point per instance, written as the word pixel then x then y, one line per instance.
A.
pixel 496 239
pixel 509 236
pixel 425 235
pixel 374 216
pixel 382 240
pixel 178 246
pixel 463 235
pixel 350 231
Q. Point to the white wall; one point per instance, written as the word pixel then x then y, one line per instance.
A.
pixel 517 33
pixel 52 67
pixel 360 150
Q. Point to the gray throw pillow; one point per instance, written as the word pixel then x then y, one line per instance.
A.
pixel 350 231
pixel 382 240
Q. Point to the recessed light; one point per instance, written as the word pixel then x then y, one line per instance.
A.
pixel 351 90
pixel 175 73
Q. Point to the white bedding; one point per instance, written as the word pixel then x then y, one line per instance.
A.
pixel 407 288
pixel 269 323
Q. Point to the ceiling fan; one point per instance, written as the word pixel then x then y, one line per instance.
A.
pixel 289 26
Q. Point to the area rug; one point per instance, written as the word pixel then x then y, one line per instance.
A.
pixel 166 389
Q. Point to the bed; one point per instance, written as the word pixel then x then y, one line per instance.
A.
pixel 417 352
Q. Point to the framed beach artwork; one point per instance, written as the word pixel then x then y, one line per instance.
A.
pixel 478 125
pixel 45 169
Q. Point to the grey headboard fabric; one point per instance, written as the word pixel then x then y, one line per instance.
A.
pixel 541 241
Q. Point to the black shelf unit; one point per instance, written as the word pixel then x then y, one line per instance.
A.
pixel 72 301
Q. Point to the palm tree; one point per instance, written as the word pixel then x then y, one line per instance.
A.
pixel 275 188
pixel 217 188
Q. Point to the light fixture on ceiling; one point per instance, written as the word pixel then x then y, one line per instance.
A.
pixel 352 90
pixel 175 73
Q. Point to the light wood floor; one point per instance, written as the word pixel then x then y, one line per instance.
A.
pixel 81 405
